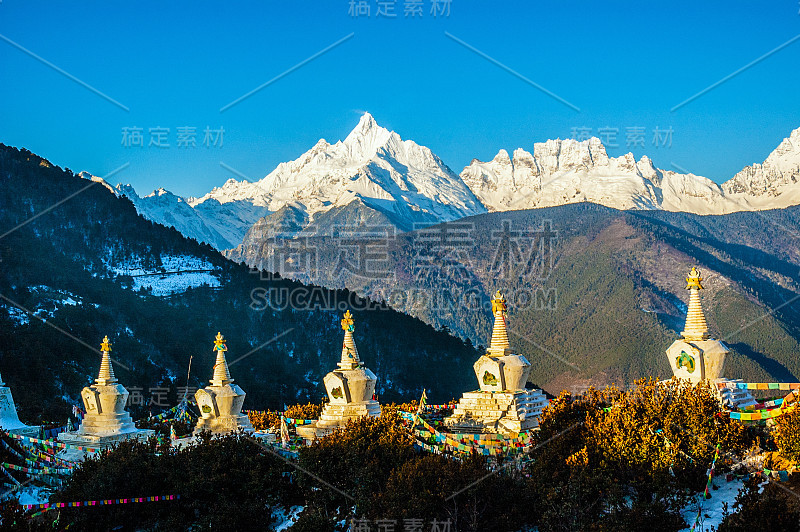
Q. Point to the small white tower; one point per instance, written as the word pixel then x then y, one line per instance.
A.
pixel 9 420
pixel 350 389
pixel 502 404
pixel 106 421
pixel 696 356
pixel 221 403
pixel 699 357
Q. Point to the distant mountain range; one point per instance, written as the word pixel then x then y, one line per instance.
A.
pixel 375 177
pixel 559 172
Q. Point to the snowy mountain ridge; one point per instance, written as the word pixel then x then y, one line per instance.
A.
pixel 373 164
pixel 407 184
pixel 570 171
pixel 402 180
pixel 220 225
pixel 772 184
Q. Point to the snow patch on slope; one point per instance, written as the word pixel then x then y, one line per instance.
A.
pixel 176 274
pixel 711 509
pixel 18 316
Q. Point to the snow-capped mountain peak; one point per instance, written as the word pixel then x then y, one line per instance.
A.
pixel 376 166
pixel 405 182
pixel 777 176
pixel 502 157
pixel 161 192
pixel 367 136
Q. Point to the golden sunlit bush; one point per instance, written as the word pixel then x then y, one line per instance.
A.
pixel 566 410
pixel 412 406
pixel 787 435
pixel 306 411
pixel 403 407
pixel 661 425
pixel 358 458
pixel 264 420
pixel 636 451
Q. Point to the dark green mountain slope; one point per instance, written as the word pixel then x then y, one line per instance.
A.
pixel 72 266
pixel 596 294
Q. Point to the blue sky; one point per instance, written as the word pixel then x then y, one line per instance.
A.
pixel 175 64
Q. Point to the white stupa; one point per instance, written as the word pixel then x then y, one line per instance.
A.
pixel 503 404
pixel 106 421
pixel 221 403
pixel 9 420
pixel 697 356
pixel 350 389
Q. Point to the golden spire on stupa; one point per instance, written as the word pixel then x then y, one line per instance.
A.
pixel 222 375
pixel 350 358
pixel 499 344
pixel 106 375
pixel 696 328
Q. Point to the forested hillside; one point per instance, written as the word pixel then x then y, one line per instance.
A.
pixel 596 295
pixel 91 266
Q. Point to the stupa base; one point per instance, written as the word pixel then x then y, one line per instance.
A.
pixel 103 441
pixel 313 432
pixel 30 432
pixel 732 397
pixel 224 424
pixel 507 412
pixel 17 427
pixel 107 424
pixel 24 430
pixel 335 416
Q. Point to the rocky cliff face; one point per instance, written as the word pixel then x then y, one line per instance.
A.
pixel 568 171
pixel 776 176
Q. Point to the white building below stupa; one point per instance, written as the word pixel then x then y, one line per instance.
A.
pixel 106 421
pixel 502 404
pixel 699 357
pixel 350 389
pixel 9 420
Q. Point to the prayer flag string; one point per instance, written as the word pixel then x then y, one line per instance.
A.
pixel 106 502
